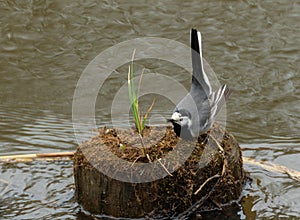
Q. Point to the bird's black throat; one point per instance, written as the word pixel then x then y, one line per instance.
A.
pixel 182 131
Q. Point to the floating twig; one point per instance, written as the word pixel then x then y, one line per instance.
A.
pixel 22 157
pixel 271 167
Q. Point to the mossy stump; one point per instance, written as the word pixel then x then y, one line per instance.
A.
pixel 166 177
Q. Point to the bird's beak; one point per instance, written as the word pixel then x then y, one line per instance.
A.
pixel 170 120
pixel 173 121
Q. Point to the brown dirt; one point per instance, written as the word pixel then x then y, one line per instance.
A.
pixel 170 195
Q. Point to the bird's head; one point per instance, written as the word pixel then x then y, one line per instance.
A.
pixel 181 118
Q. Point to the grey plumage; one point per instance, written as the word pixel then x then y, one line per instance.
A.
pixel 197 111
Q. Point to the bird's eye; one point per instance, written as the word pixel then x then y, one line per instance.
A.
pixel 180 119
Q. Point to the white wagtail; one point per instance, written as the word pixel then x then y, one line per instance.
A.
pixel 197 111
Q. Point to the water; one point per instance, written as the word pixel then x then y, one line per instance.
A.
pixel 253 46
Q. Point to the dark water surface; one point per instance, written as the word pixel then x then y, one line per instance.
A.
pixel 253 46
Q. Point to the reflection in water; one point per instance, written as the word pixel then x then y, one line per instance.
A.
pixel 45 45
pixel 33 190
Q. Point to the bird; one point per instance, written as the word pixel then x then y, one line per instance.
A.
pixel 196 112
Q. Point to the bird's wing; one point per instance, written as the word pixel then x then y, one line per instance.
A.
pixel 200 82
pixel 203 109
pixel 218 98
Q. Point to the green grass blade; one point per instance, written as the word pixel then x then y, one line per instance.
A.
pixel 139 119
pixel 133 97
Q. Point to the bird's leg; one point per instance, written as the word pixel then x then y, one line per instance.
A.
pixel 218 144
pixel 203 139
pixel 208 135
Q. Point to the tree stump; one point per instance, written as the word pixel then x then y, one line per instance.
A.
pixel 167 176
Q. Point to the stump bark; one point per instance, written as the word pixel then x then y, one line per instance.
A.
pixel 167 176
